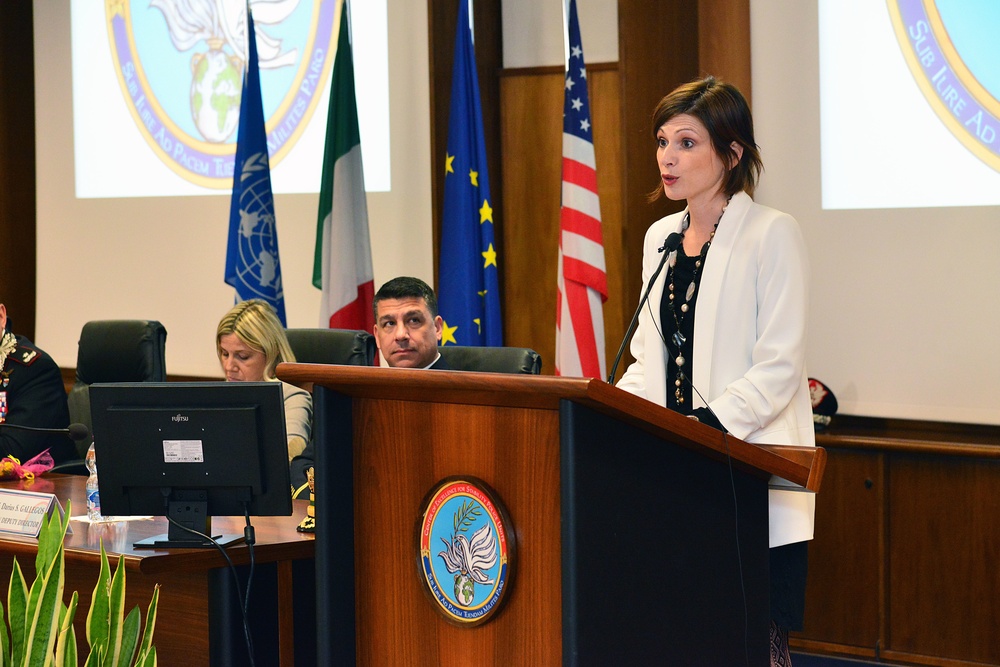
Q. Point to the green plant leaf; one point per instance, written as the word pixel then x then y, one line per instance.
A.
pixel 45 592
pixel 43 604
pixel 98 620
pixel 147 660
pixel 4 640
pixel 116 613
pixel 147 634
pixel 17 605
pixel 95 658
pixel 130 639
pixel 41 626
pixel 51 537
pixel 42 619
pixel 66 644
pixel 47 547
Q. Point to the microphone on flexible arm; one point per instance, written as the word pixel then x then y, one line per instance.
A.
pixel 75 431
pixel 671 244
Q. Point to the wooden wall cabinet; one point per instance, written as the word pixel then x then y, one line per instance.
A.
pixel 905 566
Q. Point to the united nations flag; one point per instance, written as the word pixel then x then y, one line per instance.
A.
pixel 252 264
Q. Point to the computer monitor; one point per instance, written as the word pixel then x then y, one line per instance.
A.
pixel 190 451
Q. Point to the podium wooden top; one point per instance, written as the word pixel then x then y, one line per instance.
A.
pixel 800 465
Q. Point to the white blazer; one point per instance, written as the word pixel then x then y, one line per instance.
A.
pixel 749 340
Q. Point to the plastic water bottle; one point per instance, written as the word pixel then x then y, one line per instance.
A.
pixel 93 493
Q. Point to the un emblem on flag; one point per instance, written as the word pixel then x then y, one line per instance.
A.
pixel 258 272
pixel 180 65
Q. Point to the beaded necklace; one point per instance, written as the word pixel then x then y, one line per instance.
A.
pixel 678 338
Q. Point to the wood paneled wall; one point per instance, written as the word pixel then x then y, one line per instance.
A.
pixel 657 50
pixel 531 126
pixel 442 17
pixel 904 563
pixel 17 166
pixel 724 42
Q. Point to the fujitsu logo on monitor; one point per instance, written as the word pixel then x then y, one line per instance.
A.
pixel 179 418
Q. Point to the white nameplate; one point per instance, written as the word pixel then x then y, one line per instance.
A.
pixel 21 512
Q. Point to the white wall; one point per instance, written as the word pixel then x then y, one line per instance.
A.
pixel 163 258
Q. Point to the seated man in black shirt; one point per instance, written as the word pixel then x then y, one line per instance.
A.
pixel 407 325
pixel 407 332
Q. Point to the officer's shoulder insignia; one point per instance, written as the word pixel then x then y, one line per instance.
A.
pixel 24 355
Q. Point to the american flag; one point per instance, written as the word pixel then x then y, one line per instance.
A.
pixel 582 277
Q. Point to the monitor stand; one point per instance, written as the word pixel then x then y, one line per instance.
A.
pixel 188 509
pixel 165 541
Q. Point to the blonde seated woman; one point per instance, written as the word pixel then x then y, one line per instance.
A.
pixel 251 343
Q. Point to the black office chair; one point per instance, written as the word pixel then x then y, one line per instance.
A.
pixel 113 351
pixel 346 347
pixel 332 346
pixel 492 359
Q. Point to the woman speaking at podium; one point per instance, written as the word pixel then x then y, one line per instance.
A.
pixel 251 343
pixel 721 337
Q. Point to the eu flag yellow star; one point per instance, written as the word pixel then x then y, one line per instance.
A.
pixel 474 177
pixel 448 159
pixel 485 213
pixel 448 334
pixel 479 325
pixel 491 257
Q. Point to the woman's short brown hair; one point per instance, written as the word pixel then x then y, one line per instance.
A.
pixel 724 112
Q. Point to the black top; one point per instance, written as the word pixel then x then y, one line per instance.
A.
pixel 681 275
pixel 440 365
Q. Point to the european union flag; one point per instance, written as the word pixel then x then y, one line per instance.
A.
pixel 252 264
pixel 468 293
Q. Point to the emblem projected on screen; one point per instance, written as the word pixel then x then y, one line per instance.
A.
pixel 951 47
pixel 180 65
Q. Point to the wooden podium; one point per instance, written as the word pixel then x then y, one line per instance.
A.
pixel 641 535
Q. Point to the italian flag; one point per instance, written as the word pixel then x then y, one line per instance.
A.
pixel 342 265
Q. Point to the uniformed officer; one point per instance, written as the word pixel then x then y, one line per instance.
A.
pixel 31 394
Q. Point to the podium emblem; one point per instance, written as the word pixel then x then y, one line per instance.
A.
pixel 466 547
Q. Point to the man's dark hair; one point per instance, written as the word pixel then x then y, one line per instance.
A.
pixel 405 287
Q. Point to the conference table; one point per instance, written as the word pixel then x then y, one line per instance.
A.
pixel 198 620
